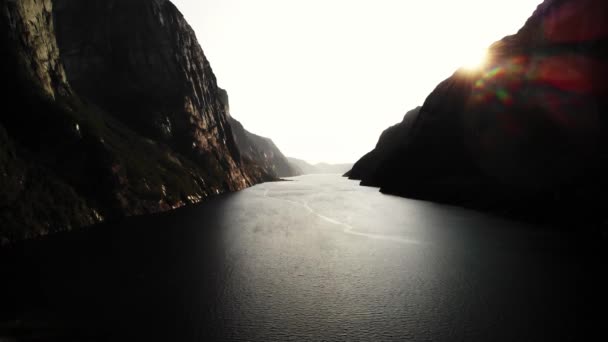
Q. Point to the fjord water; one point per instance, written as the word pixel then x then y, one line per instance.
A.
pixel 314 258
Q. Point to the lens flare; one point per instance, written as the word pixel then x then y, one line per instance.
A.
pixel 534 118
pixel 475 60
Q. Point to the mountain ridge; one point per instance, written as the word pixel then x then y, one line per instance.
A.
pixel 524 135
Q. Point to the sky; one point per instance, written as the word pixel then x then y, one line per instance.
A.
pixel 324 78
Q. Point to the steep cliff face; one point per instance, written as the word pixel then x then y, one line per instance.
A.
pixel 34 201
pixel 140 130
pixel 259 153
pixel 30 42
pixel 139 60
pixel 525 135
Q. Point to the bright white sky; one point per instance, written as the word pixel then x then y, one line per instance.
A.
pixel 323 78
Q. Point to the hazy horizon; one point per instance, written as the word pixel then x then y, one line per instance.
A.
pixel 323 79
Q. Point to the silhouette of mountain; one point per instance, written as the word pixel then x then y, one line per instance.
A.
pixel 112 110
pixel 388 142
pixel 523 135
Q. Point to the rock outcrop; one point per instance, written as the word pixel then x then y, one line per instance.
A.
pixel 523 136
pixel 259 153
pixel 111 109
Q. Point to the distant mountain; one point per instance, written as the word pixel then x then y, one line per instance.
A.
pixel 259 152
pixel 302 167
pixel 523 136
pixel 111 109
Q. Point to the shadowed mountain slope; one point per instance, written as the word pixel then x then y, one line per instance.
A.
pixel 524 135
pixel 112 110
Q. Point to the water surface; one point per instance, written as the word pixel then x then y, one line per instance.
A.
pixel 315 258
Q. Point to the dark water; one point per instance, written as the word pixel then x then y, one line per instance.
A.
pixel 318 258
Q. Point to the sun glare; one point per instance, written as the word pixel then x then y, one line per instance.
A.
pixel 475 59
pixel 405 47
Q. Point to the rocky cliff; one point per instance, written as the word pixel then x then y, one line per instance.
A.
pixel 525 135
pixel 260 153
pixel 33 111
pixel 111 109
pixel 139 60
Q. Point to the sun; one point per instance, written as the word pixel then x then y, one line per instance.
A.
pixel 475 59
